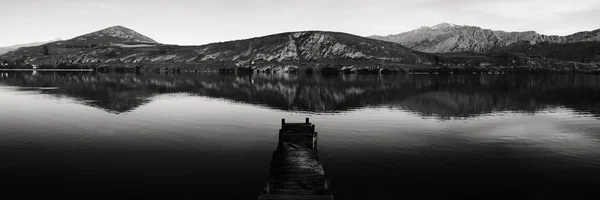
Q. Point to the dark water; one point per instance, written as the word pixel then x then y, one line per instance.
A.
pixel 190 136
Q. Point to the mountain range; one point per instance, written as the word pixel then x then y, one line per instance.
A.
pixel 446 37
pixel 427 48
pixel 121 46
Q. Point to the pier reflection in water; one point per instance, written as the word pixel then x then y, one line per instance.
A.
pixel 195 134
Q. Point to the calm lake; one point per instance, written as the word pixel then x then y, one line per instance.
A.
pixel 188 136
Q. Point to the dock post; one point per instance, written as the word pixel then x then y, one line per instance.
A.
pixel 280 142
pixel 268 188
pixel 315 140
pixel 282 124
pixel 307 120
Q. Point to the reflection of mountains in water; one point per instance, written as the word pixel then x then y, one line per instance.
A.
pixel 440 96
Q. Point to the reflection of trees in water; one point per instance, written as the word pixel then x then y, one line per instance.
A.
pixel 440 96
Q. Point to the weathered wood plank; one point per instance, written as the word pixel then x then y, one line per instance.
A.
pixel 296 172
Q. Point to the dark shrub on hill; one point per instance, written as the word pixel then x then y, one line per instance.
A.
pixel 308 71
pixel 245 70
pixel 389 71
pixel 329 71
pixel 45 49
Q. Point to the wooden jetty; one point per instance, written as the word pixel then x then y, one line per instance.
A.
pixel 296 172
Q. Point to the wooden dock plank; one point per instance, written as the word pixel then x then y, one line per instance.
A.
pixel 296 172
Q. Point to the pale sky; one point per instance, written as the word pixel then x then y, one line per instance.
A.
pixel 194 22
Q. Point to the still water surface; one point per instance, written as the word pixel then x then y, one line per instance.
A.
pixel 188 136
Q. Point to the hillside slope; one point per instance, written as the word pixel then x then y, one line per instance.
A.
pixel 585 52
pixel 6 49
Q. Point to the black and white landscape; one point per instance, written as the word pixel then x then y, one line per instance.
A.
pixel 261 99
pixel 439 48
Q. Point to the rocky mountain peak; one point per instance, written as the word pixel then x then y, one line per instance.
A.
pixel 115 29
pixel 116 34
pixel 444 26
pixel 126 33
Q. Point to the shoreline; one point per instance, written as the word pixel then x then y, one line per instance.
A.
pixel 329 71
pixel 51 70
